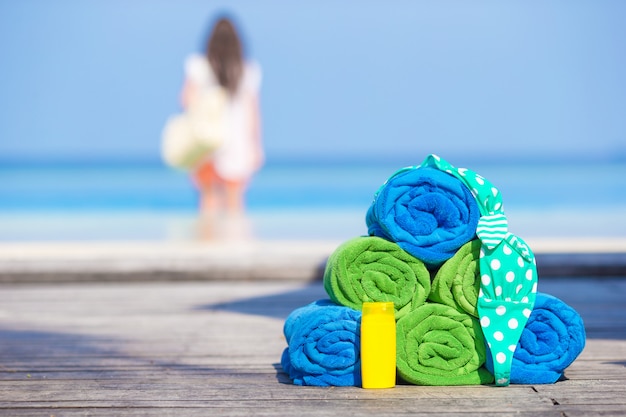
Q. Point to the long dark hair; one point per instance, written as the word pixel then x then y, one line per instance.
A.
pixel 225 54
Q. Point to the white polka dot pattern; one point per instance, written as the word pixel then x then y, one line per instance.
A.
pixel 507 270
pixel 513 296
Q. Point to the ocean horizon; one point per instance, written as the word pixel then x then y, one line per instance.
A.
pixel 295 199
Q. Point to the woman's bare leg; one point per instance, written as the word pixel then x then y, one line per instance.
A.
pixel 234 193
pixel 209 201
pixel 208 185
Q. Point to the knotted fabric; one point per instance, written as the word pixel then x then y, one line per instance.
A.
pixel 508 271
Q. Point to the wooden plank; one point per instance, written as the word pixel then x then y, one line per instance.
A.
pixel 213 348
pixel 237 388
pixel 327 403
pixel 263 410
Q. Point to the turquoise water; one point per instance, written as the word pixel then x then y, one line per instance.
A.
pixel 288 200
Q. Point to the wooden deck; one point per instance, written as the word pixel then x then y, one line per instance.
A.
pixel 213 348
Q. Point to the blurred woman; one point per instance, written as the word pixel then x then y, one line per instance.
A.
pixel 223 177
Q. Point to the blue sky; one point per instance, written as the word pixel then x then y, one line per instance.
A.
pixel 342 80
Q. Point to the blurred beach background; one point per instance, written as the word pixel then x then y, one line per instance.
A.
pixel 531 95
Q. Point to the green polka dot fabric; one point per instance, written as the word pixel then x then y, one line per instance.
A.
pixel 508 271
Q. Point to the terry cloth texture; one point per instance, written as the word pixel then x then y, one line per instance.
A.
pixel 369 268
pixel 457 282
pixel 429 213
pixel 552 339
pixel 324 346
pixel 438 345
pixel 507 267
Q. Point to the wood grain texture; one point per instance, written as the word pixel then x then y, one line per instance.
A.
pixel 213 348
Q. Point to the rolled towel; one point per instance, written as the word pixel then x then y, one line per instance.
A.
pixel 369 268
pixel 552 339
pixel 298 315
pixel 457 282
pixel 438 345
pixel 507 266
pixel 323 345
pixel 429 213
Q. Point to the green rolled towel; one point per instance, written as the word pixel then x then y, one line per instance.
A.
pixel 369 268
pixel 438 345
pixel 457 283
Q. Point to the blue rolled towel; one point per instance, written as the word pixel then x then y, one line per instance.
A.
pixel 324 346
pixel 427 212
pixel 552 339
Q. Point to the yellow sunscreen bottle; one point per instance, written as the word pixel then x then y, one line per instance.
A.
pixel 378 345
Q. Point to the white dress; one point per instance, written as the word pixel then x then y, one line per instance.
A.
pixel 235 159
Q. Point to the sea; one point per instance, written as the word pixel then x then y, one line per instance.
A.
pixel 288 200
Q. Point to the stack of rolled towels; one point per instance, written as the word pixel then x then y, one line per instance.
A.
pixel 423 254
